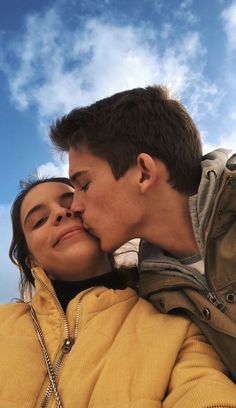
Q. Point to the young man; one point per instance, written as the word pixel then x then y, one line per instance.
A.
pixel 137 167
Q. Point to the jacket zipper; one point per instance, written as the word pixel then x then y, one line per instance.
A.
pixel 214 300
pixel 65 349
pixel 212 295
pixel 221 406
pixel 47 360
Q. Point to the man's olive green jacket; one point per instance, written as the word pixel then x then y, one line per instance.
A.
pixel 173 287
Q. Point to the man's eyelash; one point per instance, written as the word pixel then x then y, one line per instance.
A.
pixel 84 187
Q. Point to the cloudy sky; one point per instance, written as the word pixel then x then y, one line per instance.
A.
pixel 55 55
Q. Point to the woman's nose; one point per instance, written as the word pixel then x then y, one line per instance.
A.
pixel 63 214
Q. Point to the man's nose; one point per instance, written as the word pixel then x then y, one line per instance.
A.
pixel 77 203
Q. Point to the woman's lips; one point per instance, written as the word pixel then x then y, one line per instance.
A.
pixel 69 233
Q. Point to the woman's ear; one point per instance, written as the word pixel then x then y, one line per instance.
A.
pixel 148 171
pixel 30 261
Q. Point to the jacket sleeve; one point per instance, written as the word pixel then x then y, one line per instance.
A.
pixel 199 379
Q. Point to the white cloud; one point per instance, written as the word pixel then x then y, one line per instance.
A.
pixel 184 12
pixel 157 5
pixel 233 115
pixel 166 31
pixel 51 169
pixel 229 140
pixel 229 20
pixel 61 67
pixel 228 107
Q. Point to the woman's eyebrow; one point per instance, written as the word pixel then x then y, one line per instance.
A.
pixel 68 194
pixel 32 211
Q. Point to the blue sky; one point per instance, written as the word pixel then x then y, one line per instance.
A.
pixel 55 55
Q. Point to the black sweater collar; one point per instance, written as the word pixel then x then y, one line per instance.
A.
pixel 66 291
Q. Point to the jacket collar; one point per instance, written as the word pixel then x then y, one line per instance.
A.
pixel 201 204
pixel 45 301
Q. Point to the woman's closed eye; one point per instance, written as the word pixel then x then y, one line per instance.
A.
pixel 39 222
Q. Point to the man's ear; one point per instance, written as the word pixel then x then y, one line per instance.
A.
pixel 148 171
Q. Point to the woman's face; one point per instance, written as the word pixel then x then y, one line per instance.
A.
pixel 55 237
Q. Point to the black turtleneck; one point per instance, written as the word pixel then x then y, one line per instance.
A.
pixel 66 291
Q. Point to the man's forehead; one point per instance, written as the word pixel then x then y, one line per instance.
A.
pixel 81 154
pixel 81 163
pixel 81 160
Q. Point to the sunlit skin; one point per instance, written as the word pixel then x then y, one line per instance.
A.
pixel 107 206
pixel 56 238
pixel 140 204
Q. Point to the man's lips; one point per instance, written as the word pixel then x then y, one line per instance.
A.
pixel 68 233
pixel 89 230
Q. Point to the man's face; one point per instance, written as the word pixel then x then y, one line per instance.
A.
pixel 108 206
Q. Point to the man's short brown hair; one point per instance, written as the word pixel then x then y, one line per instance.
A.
pixel 141 120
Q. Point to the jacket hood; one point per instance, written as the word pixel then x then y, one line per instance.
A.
pixel 201 204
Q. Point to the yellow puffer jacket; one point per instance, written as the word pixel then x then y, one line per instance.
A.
pixel 125 354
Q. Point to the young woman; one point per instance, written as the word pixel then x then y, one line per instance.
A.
pixel 85 339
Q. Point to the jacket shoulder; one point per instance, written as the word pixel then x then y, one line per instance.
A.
pixel 147 314
pixel 10 313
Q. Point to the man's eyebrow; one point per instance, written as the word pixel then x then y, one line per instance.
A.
pixel 75 176
pixel 33 210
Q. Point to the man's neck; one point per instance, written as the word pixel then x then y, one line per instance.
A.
pixel 170 227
